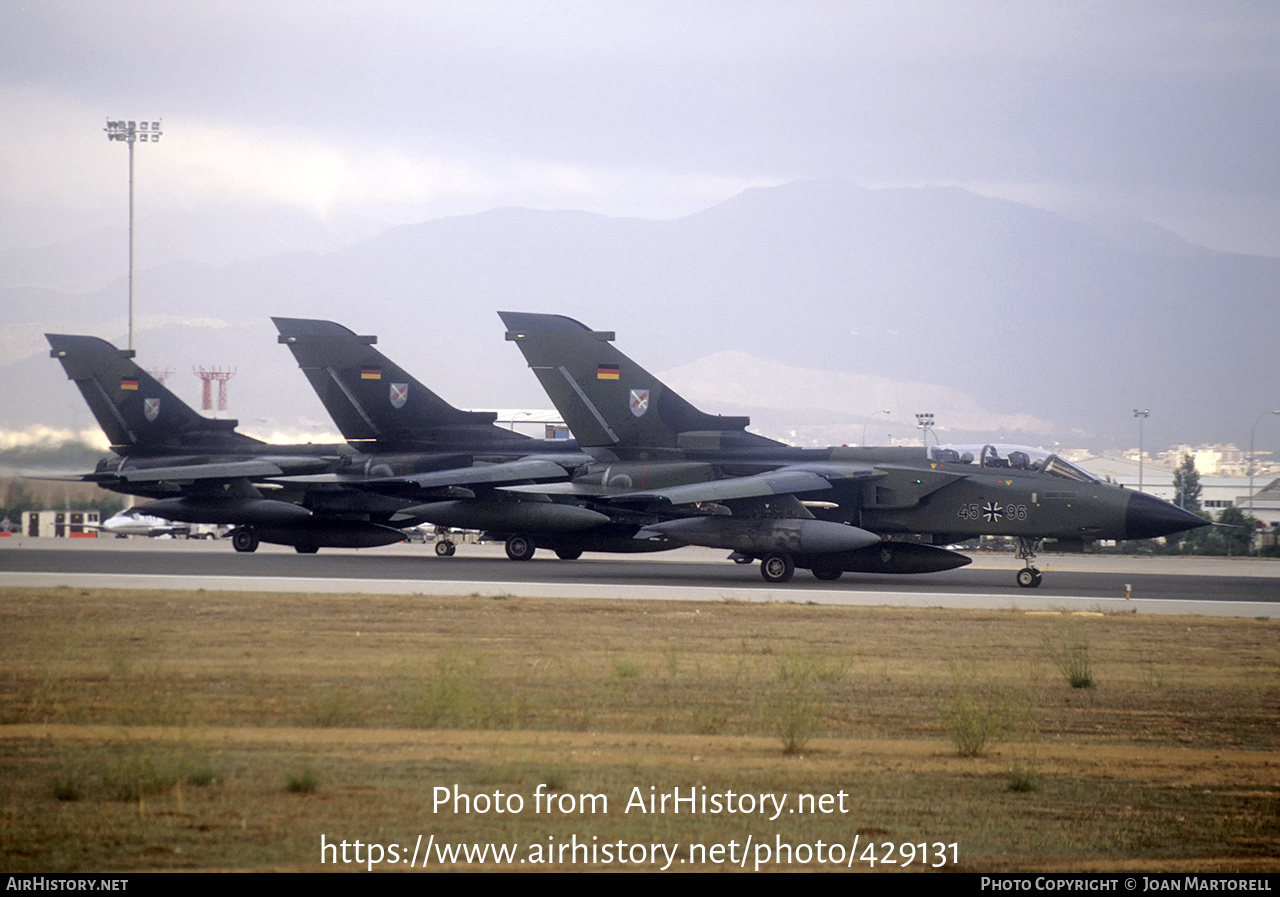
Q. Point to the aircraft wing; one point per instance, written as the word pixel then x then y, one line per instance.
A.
pixel 189 473
pixel 910 485
pixel 816 477
pixel 833 471
pixel 570 488
pixel 775 482
pixel 486 475
pixel 481 475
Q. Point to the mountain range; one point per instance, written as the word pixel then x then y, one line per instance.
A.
pixel 812 306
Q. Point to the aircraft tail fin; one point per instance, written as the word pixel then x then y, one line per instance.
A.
pixel 133 408
pixel 368 395
pixel 610 401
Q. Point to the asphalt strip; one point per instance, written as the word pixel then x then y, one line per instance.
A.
pixel 1029 602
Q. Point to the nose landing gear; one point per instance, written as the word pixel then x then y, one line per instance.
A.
pixel 1029 577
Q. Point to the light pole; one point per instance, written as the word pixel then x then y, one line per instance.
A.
pixel 132 132
pixel 924 423
pixel 1142 419
pixel 864 426
pixel 1253 432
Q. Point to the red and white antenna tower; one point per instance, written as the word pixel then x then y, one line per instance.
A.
pixel 209 376
pixel 161 375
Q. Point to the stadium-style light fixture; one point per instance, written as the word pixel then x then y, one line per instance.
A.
pixel 131 132
pixel 1142 419
pixel 924 423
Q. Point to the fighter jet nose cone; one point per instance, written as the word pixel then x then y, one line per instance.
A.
pixel 1148 517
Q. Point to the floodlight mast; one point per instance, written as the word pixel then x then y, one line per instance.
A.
pixel 924 423
pixel 1141 415
pixel 131 132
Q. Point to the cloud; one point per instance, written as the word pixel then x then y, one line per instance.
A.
pixel 736 380
pixel 59 158
pixel 637 108
pixel 21 341
pixel 67 163
pixel 211 163
pixel 40 436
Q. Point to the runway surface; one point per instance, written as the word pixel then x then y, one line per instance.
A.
pixel 1216 587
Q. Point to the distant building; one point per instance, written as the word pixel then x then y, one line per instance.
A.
pixel 1214 460
pixel 538 424
pixel 1266 508
pixel 1216 492
pixel 60 524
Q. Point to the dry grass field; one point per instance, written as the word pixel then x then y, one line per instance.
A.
pixel 165 730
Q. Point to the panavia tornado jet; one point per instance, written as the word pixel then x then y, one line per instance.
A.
pixel 375 402
pixel 200 470
pixel 705 480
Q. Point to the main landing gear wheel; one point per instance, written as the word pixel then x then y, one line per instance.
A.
pixel 1029 577
pixel 827 575
pixel 445 549
pixel 777 567
pixel 244 539
pixel 520 548
pixel 568 554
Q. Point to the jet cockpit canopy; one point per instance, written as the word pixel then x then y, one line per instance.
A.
pixel 1011 457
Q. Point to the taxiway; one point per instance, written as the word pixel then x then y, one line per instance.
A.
pixel 1215 587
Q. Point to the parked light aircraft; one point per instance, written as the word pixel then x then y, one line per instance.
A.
pixel 705 480
pixel 130 522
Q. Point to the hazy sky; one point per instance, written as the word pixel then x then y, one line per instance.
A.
pixel 406 110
